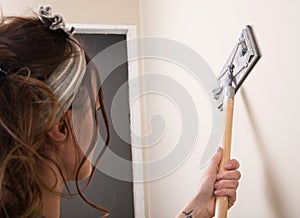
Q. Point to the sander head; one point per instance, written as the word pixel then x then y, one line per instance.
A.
pixel 239 64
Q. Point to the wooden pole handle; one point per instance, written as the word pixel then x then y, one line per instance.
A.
pixel 222 201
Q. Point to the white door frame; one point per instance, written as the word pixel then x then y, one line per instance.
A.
pixel 135 112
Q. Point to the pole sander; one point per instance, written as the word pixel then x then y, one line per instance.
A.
pixel 238 66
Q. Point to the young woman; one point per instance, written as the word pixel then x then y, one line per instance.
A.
pixel 41 69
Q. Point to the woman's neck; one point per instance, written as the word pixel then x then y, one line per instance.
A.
pixel 51 199
pixel 51 205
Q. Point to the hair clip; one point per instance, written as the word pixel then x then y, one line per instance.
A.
pixel 57 22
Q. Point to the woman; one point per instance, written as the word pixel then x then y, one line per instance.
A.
pixel 41 69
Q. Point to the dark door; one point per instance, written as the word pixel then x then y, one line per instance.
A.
pixel 105 191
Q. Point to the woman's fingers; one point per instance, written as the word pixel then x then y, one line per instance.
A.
pixel 226 184
pixel 229 175
pixel 231 200
pixel 231 193
pixel 232 165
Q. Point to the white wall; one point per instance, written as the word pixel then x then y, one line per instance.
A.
pixel 266 122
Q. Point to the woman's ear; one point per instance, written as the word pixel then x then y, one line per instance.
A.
pixel 56 133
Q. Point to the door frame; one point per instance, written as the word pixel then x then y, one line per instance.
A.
pixel 135 112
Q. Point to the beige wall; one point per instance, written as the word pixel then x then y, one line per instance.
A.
pixel 88 11
pixel 267 117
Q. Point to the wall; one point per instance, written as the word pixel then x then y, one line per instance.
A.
pixel 266 120
pixel 90 11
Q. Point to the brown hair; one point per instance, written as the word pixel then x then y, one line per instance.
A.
pixel 29 53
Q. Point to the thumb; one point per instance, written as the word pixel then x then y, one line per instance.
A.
pixel 212 167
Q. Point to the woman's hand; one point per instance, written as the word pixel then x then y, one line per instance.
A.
pixel 211 185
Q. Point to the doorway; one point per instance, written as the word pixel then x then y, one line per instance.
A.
pixel 122 198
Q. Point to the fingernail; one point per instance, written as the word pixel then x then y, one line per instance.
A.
pixel 219 176
pixel 216 185
pixel 217 192
pixel 228 166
